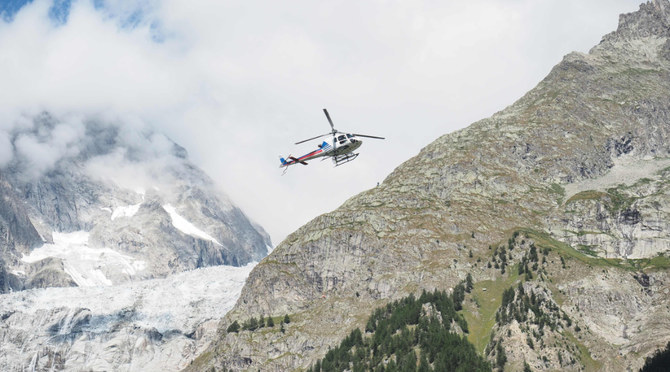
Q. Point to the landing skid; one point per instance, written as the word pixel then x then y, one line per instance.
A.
pixel 343 158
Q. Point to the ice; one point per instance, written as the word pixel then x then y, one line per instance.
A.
pixel 83 263
pixel 119 319
pixel 183 225
pixel 126 211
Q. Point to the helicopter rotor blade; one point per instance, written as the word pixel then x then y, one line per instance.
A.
pixel 329 120
pixel 365 135
pixel 313 138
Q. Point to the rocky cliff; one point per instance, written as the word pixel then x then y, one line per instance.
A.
pixel 577 167
pixel 89 201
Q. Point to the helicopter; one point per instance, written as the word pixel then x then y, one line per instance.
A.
pixel 341 151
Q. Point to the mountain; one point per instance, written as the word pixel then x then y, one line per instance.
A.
pixel 116 252
pixel 89 201
pixel 557 206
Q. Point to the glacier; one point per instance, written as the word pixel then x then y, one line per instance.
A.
pixel 157 324
pixel 86 265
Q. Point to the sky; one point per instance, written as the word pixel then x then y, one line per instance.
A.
pixel 237 83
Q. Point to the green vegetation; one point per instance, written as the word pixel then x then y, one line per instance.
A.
pixel 488 294
pixel 234 327
pixel 586 195
pixel 559 191
pixel 531 308
pixel 501 357
pixel 615 199
pixel 543 240
pixel 618 201
pixel 587 249
pixel 526 367
pixel 407 336
pixel 253 324
pixel 585 357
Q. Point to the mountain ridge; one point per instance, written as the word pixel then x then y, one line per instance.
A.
pixel 116 251
pixel 435 217
pixel 114 182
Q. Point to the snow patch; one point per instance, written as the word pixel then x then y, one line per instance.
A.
pixel 183 225
pixel 127 211
pixel 83 263
pixel 626 170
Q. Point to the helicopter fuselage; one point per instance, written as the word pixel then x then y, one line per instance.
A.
pixel 341 150
pixel 342 145
pixel 345 143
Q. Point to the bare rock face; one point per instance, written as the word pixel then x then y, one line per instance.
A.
pixel 619 220
pixel 112 203
pixel 17 236
pixel 580 160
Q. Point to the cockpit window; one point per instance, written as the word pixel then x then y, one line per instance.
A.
pixel 349 135
pixel 341 138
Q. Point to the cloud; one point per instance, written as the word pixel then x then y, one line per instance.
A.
pixel 237 83
pixel 118 168
pixel 121 150
pixel 40 146
pixel 6 149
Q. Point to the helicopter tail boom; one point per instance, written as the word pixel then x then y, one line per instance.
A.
pixel 297 160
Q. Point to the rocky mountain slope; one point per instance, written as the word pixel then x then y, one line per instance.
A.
pixel 91 201
pixel 577 168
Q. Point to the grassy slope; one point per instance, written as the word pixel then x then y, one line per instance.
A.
pixel 481 319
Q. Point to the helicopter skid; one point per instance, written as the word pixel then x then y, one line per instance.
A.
pixel 344 158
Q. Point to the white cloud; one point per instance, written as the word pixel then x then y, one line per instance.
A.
pixel 43 145
pixel 236 83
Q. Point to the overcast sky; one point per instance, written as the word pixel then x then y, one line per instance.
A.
pixel 238 82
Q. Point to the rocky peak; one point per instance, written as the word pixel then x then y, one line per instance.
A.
pixel 652 20
pixel 127 195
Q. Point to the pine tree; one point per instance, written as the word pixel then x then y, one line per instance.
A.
pixel 251 324
pixel 287 320
pixel 526 367
pixel 501 357
pixel 424 366
pixel 270 323
pixel 459 296
pixel 468 283
pixel 233 327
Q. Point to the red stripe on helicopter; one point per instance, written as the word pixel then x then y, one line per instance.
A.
pixel 310 154
pixel 297 160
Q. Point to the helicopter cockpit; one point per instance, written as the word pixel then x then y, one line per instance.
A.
pixel 342 139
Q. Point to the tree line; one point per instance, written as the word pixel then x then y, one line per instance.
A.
pixel 411 334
